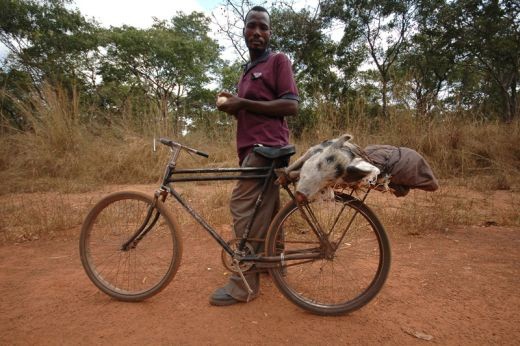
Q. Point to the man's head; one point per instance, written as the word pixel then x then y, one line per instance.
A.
pixel 257 30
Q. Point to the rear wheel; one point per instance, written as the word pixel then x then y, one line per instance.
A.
pixel 343 282
pixel 139 270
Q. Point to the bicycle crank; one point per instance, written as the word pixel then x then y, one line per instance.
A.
pixel 228 262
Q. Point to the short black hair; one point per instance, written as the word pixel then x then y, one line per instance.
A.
pixel 258 9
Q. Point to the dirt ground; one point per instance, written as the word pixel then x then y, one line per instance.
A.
pixel 457 287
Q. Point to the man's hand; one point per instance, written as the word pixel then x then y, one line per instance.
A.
pixel 232 104
pixel 274 108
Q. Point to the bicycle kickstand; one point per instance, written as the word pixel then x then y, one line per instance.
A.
pixel 249 290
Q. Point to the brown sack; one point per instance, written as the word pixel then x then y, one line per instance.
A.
pixel 406 167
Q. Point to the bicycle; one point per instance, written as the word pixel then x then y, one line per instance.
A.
pixel 329 257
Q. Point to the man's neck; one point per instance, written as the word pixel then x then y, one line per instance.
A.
pixel 254 55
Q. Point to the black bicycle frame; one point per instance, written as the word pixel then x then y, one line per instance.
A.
pixel 172 176
pixel 266 173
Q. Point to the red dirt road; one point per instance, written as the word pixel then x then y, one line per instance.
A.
pixel 457 288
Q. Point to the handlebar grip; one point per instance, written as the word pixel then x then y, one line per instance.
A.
pixel 165 141
pixel 201 153
pixel 172 144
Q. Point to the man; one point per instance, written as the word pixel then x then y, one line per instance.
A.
pixel 266 93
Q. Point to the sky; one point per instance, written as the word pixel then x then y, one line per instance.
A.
pixel 139 13
pixel 136 13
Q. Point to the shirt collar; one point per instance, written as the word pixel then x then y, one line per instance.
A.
pixel 262 58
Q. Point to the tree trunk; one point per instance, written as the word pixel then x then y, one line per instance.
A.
pixel 384 96
pixel 513 106
pixel 420 101
pixel 163 109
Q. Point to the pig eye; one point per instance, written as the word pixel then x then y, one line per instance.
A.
pixel 330 159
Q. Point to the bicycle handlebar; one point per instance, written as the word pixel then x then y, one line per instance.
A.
pixel 173 144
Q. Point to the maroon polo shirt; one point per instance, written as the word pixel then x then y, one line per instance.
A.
pixel 268 78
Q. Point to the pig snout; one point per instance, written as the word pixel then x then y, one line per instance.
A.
pixel 300 198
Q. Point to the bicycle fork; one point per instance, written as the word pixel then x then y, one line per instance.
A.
pixel 145 227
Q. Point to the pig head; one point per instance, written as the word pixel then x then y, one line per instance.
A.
pixel 331 163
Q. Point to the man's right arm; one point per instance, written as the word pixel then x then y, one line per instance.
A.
pixel 275 108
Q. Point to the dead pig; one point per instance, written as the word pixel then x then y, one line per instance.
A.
pixel 332 162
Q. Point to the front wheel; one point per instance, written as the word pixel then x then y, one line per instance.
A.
pixel 124 269
pixel 329 285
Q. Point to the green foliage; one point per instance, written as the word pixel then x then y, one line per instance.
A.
pixel 16 86
pixel 382 26
pixel 488 34
pixel 230 75
pixel 301 36
pixel 428 60
pixel 47 40
pixel 166 67
pixel 48 43
pixel 170 61
pixel 431 58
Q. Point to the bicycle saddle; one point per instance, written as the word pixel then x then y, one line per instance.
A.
pixel 275 153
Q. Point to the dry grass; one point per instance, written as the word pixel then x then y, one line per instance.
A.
pixel 209 200
pixel 454 147
pixel 62 151
pixel 31 216
pixel 451 206
pixel 67 152
pixel 49 215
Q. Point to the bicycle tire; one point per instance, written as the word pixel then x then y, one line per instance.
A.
pixel 139 272
pixel 344 283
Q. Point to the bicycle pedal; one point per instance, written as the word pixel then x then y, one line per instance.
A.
pixel 239 271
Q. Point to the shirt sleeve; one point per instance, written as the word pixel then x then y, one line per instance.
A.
pixel 285 84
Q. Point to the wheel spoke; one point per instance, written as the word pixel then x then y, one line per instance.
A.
pixel 342 281
pixel 140 271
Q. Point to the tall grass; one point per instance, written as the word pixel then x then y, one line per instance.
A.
pixel 457 146
pixel 42 215
pixel 67 150
pixel 63 150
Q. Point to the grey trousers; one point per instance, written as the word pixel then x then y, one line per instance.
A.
pixel 242 204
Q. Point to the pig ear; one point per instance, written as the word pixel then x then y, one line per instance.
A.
pixel 339 143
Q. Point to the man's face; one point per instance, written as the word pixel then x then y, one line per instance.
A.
pixel 257 31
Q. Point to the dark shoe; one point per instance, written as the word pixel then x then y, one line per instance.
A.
pixel 221 298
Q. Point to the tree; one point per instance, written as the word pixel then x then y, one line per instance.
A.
pixel 384 26
pixel 488 32
pixel 229 76
pixel 47 40
pixel 171 60
pixel 301 35
pixel 230 21
pixel 15 87
pixel 428 59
